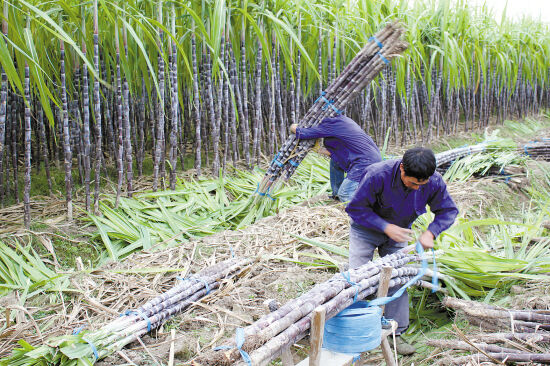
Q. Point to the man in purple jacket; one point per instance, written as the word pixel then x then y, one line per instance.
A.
pixel 350 149
pixel 391 195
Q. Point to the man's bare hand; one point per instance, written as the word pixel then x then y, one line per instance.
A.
pixel 427 239
pixel 398 233
pixel 293 127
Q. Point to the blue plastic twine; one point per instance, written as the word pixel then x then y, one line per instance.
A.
pixel 384 300
pixel 354 330
pixel 373 38
pixel 383 58
pixel 141 314
pixel 239 340
pixel 277 161
pixel 77 331
pixel 196 279
pixel 293 163
pixel 434 276
pixel 348 279
pixel 94 349
pixel 328 103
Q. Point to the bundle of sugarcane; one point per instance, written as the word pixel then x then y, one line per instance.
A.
pixel 498 318
pixel 448 156
pixel 524 344
pixel 265 339
pixel 354 78
pixel 538 149
pixel 86 347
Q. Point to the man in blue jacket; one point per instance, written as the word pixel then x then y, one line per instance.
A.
pixel 391 195
pixel 350 149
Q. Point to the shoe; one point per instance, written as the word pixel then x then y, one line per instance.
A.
pixel 402 347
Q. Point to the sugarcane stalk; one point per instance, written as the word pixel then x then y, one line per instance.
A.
pixel 225 110
pixel 233 93
pixel 27 192
pixel 66 138
pixel 119 128
pixel 159 146
pixel 212 114
pixel 244 79
pixel 3 107
pixel 196 107
pixel 256 144
pixel 85 121
pixel 97 114
pixel 126 123
pixel 173 105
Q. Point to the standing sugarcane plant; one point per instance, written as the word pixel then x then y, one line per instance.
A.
pixel 174 105
pixel 126 123
pixel 119 130
pixel 27 192
pixel 68 157
pixel 97 113
pixel 3 109
pixel 249 92
pixel 196 107
pixel 159 146
pixel 85 120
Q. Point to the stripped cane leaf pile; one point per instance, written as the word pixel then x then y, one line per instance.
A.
pixel 199 208
pixel 87 347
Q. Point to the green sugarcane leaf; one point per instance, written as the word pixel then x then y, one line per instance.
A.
pixel 329 247
pixel 105 237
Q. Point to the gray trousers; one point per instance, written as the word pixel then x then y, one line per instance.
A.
pixel 362 243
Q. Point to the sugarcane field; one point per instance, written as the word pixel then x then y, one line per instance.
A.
pixel 284 183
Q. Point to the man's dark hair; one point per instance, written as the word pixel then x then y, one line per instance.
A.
pixel 419 163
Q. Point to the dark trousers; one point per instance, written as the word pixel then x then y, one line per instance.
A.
pixel 362 243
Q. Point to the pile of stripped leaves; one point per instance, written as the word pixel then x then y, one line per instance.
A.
pixel 199 208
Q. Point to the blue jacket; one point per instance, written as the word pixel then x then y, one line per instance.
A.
pixel 382 198
pixel 350 147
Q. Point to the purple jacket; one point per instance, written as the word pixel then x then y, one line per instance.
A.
pixel 350 147
pixel 382 198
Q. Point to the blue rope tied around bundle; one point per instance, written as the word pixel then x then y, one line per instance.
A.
pixel 357 286
pixel 92 346
pixel 384 300
pixel 276 161
pixel 293 163
pixel 525 150
pixel 196 279
pixel 141 314
pixel 239 341
pixel 328 103
pixel 267 194
pixel 76 331
pixel 373 38
pixel 383 58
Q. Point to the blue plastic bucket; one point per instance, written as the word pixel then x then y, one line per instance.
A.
pixel 354 330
